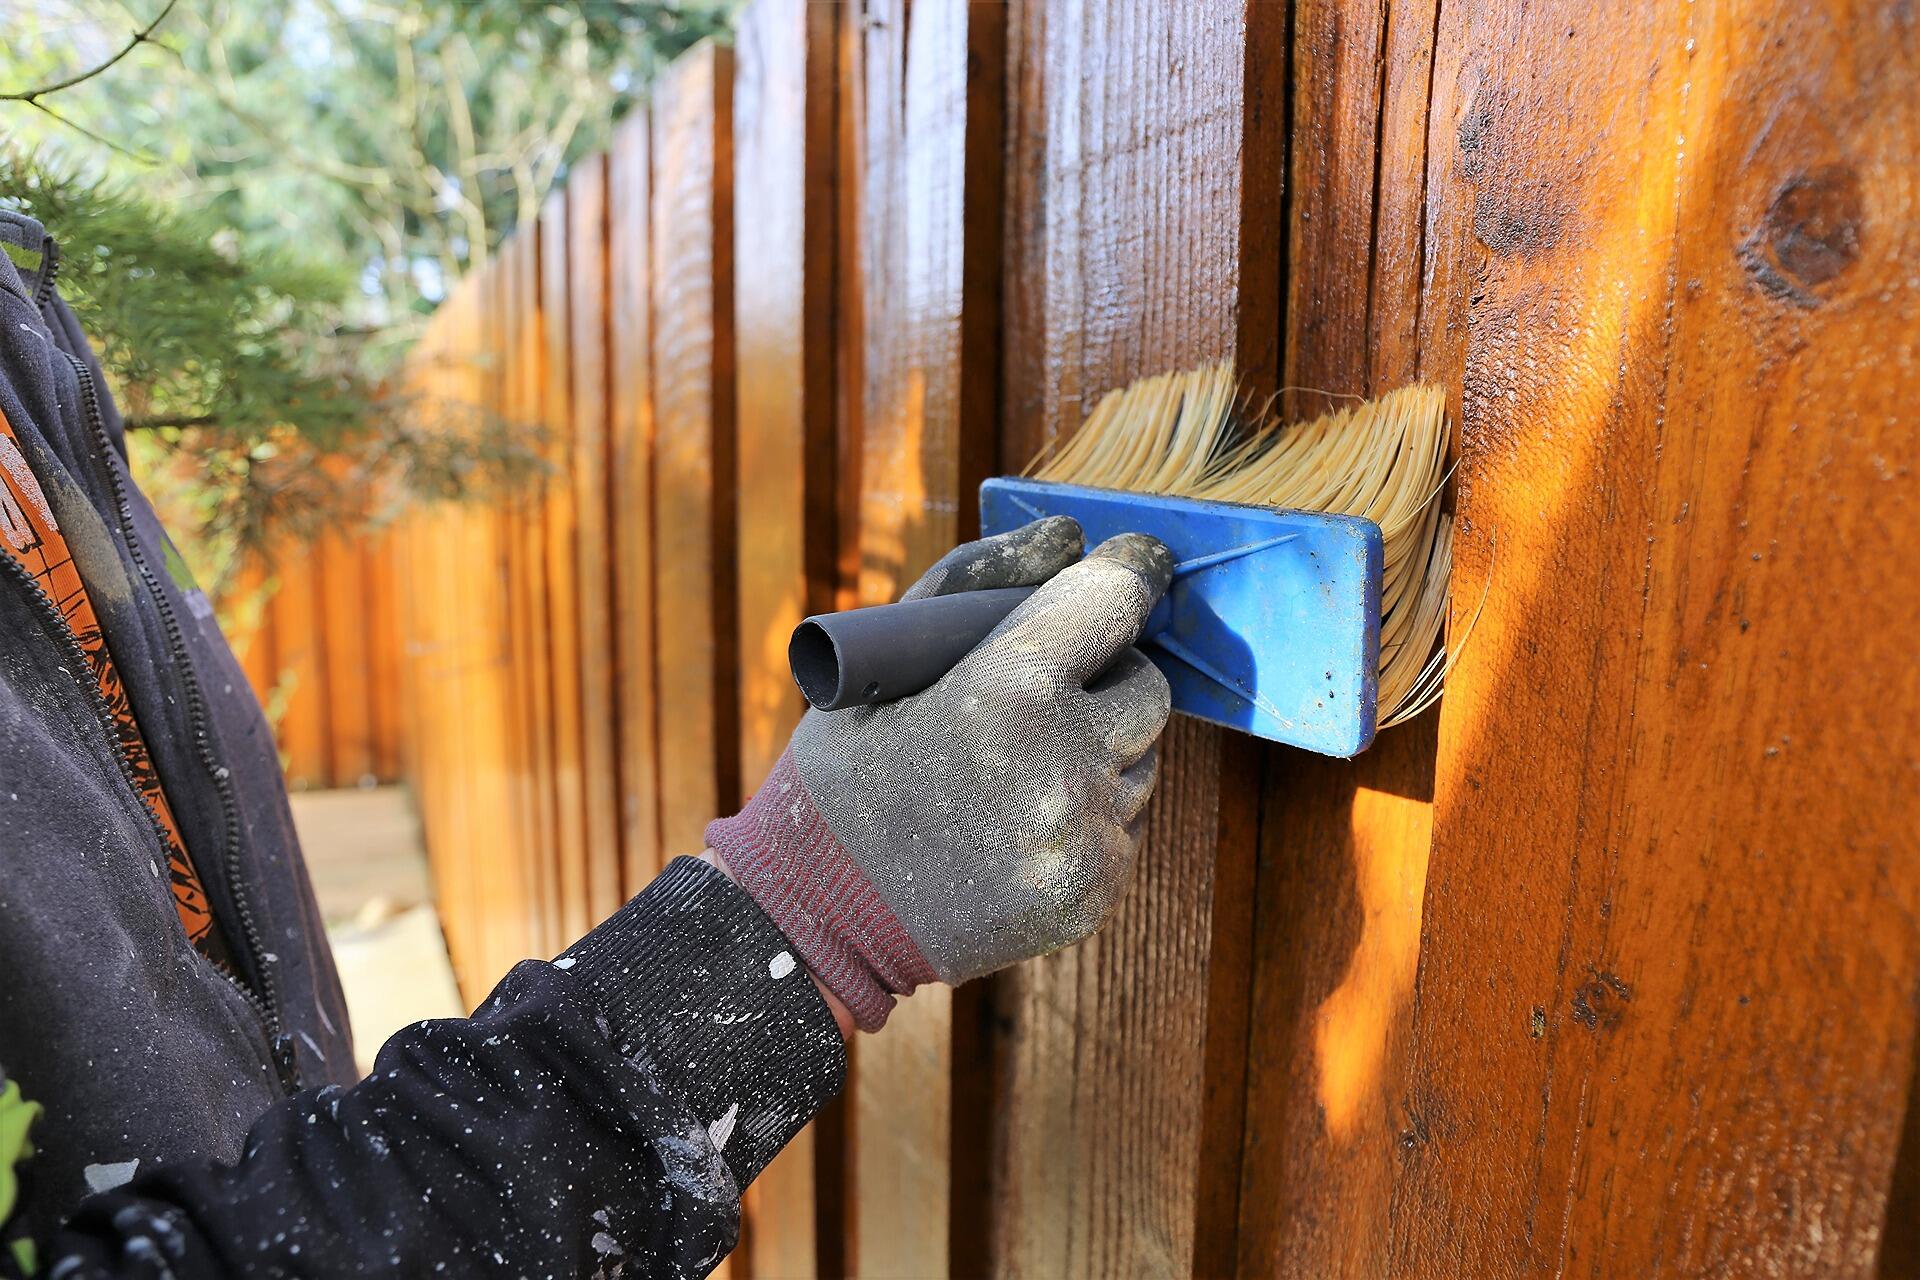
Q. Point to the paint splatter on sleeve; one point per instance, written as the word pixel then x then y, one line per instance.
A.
pixel 597 1118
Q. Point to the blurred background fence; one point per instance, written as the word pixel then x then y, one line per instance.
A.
pixel 1475 1002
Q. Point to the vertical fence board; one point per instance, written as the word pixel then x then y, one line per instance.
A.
pixel 783 122
pixel 460 862
pixel 246 614
pixel 1665 1002
pixel 525 394
pixel 386 648
pixel 561 623
pixel 631 424
pixel 345 664
pixel 1145 183
pixel 481 640
pixel 587 295
pixel 1344 844
pixel 924 165
pixel 693 528
pixel 300 664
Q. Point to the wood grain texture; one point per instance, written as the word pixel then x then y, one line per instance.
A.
pixel 587 298
pixel 480 719
pixel 569 916
pixel 1665 1008
pixel 693 396
pixel 344 669
pixel 517 359
pixel 300 684
pixel 630 425
pixel 923 99
pixel 1144 186
pixel 246 617
pixel 1344 845
pixel 457 611
pixel 386 657
pixel 784 272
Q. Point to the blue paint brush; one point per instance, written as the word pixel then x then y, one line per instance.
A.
pixel 1311 562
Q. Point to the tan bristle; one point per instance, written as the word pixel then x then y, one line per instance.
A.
pixel 1184 434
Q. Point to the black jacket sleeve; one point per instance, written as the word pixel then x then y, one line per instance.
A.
pixel 598 1115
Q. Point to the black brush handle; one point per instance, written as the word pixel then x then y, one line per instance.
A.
pixel 864 656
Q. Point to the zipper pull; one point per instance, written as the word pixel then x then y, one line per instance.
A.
pixel 286 1061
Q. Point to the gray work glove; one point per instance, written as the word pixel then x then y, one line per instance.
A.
pixel 992 817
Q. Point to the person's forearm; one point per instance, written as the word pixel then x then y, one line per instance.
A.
pixel 841 1017
pixel 610 1104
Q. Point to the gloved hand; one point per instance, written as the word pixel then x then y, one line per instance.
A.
pixel 992 817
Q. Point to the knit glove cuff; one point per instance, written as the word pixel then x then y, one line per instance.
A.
pixel 784 855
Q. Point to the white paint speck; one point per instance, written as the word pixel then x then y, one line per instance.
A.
pixel 722 1129
pixel 781 965
pixel 564 962
pixel 105 1177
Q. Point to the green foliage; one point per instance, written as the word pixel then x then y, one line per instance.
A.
pixel 193 329
pixel 260 203
pixel 249 415
pixel 400 139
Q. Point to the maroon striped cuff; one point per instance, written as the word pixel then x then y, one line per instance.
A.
pixel 783 854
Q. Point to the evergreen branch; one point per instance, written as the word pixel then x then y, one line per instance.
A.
pixel 140 156
pixel 138 38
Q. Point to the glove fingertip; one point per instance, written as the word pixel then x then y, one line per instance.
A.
pixel 1144 554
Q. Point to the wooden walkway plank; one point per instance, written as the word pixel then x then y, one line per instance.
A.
pixel 593 578
pixel 631 429
pixel 1664 1017
pixel 784 273
pixel 1142 236
pixel 693 525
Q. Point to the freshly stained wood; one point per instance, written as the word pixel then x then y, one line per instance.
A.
pixel 301 678
pixel 1139 240
pixel 1344 845
pixel 783 144
pixel 693 398
pixel 386 657
pixel 630 427
pixel 562 616
pixel 587 297
pixel 925 103
pixel 246 617
pixel 476 627
pixel 344 638
pixel 1665 1015
pixel 521 356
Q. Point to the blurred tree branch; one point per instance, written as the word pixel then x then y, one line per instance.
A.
pixel 391 142
pixel 139 37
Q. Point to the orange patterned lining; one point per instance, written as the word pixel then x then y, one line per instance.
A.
pixel 31 534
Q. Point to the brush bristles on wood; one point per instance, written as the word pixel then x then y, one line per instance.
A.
pixel 1185 434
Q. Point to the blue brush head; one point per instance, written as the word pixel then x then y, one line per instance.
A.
pixel 1272 624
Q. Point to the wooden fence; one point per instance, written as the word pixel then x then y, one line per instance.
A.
pixel 1612 965
pixel 316 626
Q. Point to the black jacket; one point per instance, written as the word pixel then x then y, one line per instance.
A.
pixel 601 1112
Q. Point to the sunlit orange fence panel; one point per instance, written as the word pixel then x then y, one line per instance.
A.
pixel 316 626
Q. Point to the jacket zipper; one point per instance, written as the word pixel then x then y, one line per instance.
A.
pixel 266 1000
pixel 82 675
